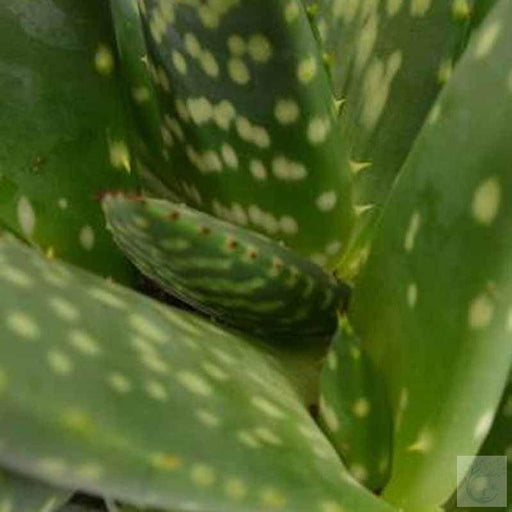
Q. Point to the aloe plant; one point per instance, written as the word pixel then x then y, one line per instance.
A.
pixel 321 191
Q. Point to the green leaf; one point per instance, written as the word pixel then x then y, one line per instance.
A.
pixel 249 122
pixel 389 61
pixel 354 410
pixel 241 277
pixel 433 307
pixel 108 391
pixel 21 494
pixel 147 137
pixel 62 128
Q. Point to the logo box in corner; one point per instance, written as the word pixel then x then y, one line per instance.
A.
pixel 484 483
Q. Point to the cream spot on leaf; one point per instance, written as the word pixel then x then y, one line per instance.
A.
pixel 288 170
pixel 119 383
pixel 192 45
pixel 272 498
pixel 267 407
pixel 318 130
pixel 420 7
pixel 229 156
pixel 119 155
pixel 238 71
pixel 326 201
pixel 215 372
pixel 286 111
pixel 59 362
pixel 15 276
pixel 26 216
pixel 107 298
pixel 87 238
pixel 332 360
pixel 412 231
pixel 166 462
pixel 393 7
pixel 486 39
pixel 203 475
pixel 23 325
pixel 361 408
pixel 209 63
pixel 236 45
pixel 486 201
pixel 248 439
pixel 329 415
pixel 84 343
pixel 258 170
pixel 483 425
pixel 64 309
pixel 306 70
pixel 359 472
pixel 331 506
pixel 235 489
pixel 259 48
pixel 288 225
pixel 412 294
pixel 194 383
pixel 179 62
pixel 208 418
pixel 291 11
pixel 156 391
pixel 147 328
pixel 104 60
pixel 423 442
pixel 480 312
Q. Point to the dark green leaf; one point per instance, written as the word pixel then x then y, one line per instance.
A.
pixel 110 392
pixel 62 128
pixel 249 122
pixel 241 277
pixel 433 305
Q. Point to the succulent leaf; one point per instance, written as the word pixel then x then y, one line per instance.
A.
pixel 108 391
pixel 148 139
pixel 432 306
pixel 354 411
pixel 390 59
pixel 62 128
pixel 248 119
pixel 20 494
pixel 239 276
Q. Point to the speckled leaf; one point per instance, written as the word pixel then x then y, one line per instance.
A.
pixel 354 410
pixel 245 279
pixel 105 390
pixel 389 60
pixel 21 494
pixel 498 442
pixel 248 119
pixel 433 305
pixel 140 92
pixel 240 277
pixel 62 129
